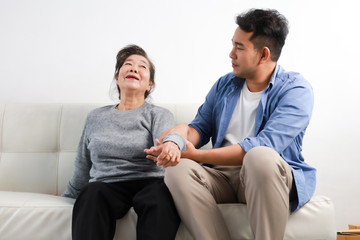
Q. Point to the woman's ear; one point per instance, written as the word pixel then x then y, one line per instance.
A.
pixel 150 85
pixel 116 79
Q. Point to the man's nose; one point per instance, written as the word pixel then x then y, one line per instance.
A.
pixel 232 54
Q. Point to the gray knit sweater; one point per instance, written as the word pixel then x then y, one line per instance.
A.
pixel 112 144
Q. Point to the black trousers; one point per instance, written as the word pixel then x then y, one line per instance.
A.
pixel 100 204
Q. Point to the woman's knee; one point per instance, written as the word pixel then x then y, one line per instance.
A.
pixel 89 197
pixel 93 189
pixel 153 194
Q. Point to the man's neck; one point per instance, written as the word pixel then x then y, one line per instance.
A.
pixel 261 79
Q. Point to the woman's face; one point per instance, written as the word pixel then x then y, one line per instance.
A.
pixel 134 75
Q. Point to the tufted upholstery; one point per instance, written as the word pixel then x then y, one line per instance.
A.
pixel 38 144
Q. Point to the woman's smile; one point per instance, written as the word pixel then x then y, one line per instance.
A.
pixel 131 76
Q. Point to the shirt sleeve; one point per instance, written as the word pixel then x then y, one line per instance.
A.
pixel 81 174
pixel 289 118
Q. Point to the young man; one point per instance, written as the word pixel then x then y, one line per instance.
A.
pixel 256 117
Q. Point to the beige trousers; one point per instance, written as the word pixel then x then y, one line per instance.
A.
pixel 263 182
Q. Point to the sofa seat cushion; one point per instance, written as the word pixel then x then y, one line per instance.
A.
pixel 42 217
pixel 315 220
pixel 37 216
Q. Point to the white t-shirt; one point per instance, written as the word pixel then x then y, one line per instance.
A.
pixel 242 122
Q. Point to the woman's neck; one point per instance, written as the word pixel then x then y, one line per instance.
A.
pixel 127 104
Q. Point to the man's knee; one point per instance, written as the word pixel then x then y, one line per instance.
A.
pixel 181 174
pixel 176 172
pixel 261 162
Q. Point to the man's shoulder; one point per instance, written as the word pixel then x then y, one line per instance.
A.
pixel 290 78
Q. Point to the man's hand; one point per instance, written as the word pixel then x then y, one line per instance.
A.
pixel 164 154
pixel 190 152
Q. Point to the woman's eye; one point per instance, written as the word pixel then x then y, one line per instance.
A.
pixel 143 66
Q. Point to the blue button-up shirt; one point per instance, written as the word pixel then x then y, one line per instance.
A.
pixel 282 117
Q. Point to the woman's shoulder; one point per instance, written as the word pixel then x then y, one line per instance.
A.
pixel 160 115
pixel 158 109
pixel 100 111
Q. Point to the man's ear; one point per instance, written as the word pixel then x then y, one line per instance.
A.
pixel 265 55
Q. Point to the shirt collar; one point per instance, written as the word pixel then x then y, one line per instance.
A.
pixel 273 77
pixel 239 82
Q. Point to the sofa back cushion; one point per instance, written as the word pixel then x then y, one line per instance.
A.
pixel 38 143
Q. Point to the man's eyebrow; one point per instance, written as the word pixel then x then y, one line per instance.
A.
pixel 239 44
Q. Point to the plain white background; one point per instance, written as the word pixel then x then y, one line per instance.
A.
pixel 64 51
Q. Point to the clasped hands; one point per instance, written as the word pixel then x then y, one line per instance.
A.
pixel 168 154
pixel 165 154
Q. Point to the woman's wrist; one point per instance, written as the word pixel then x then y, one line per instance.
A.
pixel 177 139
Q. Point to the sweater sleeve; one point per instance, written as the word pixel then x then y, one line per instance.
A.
pixel 81 174
pixel 163 121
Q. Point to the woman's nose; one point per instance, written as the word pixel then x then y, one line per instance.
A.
pixel 133 70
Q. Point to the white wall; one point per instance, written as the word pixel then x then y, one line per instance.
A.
pixel 64 51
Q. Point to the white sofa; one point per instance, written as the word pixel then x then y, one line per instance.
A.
pixel 37 149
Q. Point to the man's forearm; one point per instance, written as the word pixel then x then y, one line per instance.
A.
pixel 231 155
pixel 193 136
pixel 186 132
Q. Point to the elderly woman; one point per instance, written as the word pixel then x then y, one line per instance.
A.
pixel 112 173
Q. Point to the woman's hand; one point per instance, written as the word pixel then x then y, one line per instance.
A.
pixel 164 154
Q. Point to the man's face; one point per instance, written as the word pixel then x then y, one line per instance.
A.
pixel 244 57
